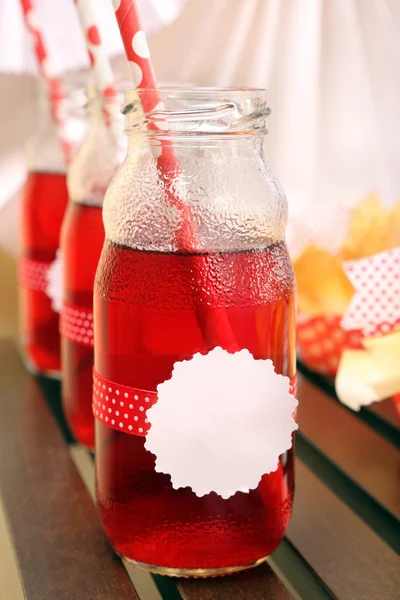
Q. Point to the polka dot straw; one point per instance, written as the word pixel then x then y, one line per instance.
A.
pixel 45 70
pixel 137 51
pixel 99 60
pixel 138 55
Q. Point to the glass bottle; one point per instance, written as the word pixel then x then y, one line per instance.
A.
pixel 82 237
pixel 44 200
pixel 194 292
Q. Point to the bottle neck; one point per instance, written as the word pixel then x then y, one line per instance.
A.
pixel 60 126
pixel 100 154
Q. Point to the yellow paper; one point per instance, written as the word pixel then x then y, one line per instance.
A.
pixel 352 379
pixel 370 375
pixel 384 377
pixel 322 286
pixel 368 230
pixel 393 233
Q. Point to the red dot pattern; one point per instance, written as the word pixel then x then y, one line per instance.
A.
pixel 93 35
pixel 321 341
pixel 125 409
pixel 121 407
pixel 33 274
pixel 76 324
pixel 375 306
pixel 98 56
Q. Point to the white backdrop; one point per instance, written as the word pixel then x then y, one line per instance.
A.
pixel 332 70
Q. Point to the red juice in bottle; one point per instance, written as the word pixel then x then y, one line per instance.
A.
pixel 82 241
pixel 147 315
pixel 44 201
pixel 91 170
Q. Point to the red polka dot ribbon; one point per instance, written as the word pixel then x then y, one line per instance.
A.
pixel 33 274
pixel 121 407
pixel 76 324
pixel 125 408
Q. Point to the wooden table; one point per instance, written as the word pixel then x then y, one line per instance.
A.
pixel 343 540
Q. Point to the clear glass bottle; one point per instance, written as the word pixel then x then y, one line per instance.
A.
pixel 194 274
pixel 82 237
pixel 44 200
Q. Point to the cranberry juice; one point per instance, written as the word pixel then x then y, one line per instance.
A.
pixel 44 201
pixel 82 241
pixel 147 317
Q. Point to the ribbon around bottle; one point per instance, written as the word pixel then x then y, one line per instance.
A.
pixel 200 413
pixel 124 408
pixel 33 274
pixel 76 324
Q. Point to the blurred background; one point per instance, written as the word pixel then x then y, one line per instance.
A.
pixel 331 68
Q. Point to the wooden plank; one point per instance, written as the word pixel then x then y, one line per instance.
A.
pixel 388 428
pixel 256 584
pixel 354 447
pixel 10 583
pixel 351 560
pixel 386 411
pixel 60 547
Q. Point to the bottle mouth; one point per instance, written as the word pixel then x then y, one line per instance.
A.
pixel 182 112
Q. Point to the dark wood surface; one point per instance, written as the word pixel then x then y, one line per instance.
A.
pixel 259 584
pixel 335 546
pixel 59 544
pixel 386 411
pixel 352 561
pixel 351 444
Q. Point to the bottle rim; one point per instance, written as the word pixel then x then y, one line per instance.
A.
pixel 173 112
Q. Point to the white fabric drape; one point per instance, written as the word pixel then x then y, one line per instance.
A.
pixel 331 68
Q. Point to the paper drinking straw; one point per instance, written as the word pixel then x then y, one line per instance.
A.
pixel 100 63
pixel 53 83
pixel 99 59
pixel 215 327
pixel 138 55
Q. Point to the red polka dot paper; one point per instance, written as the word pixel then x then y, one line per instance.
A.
pixel 33 274
pixel 375 306
pixel 76 324
pixel 321 341
pixel 124 408
pixel 121 407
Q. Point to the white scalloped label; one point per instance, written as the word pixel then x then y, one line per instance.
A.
pixel 221 422
pixel 54 288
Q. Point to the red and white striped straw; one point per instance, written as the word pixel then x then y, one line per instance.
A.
pixel 215 328
pixel 99 59
pixel 45 71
